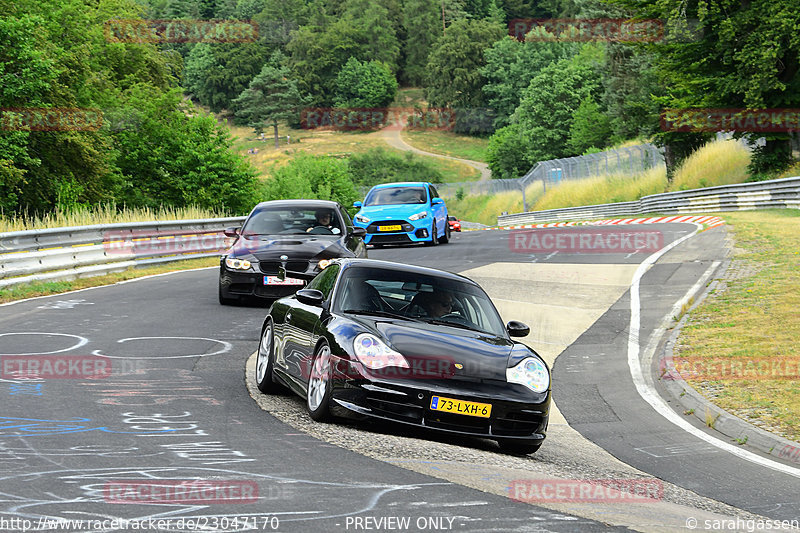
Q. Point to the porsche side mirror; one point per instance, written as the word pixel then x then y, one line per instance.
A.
pixel 231 232
pixel 359 232
pixel 310 297
pixel 517 329
pixel 437 201
pixel 357 204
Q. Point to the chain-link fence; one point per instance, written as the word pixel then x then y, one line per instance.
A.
pixel 629 160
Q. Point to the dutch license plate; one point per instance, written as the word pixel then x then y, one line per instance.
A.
pixel 390 228
pixel 275 280
pixel 449 405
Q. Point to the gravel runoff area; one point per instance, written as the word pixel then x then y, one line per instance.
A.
pixel 477 463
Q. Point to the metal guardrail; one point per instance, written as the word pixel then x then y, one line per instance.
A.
pixel 68 253
pixel 781 193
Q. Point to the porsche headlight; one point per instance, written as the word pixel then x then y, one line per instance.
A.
pixel 530 372
pixel 374 354
pixel 418 216
pixel 362 219
pixel 237 264
pixel 323 264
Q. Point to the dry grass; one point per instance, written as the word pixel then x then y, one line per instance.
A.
pixel 102 214
pixel 603 190
pixel 791 172
pixel 716 163
pixel 45 288
pixel 484 209
pixel 753 317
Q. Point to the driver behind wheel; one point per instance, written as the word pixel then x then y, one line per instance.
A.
pixel 436 304
pixel 324 219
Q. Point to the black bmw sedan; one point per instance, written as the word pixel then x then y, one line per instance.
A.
pixel 407 344
pixel 282 245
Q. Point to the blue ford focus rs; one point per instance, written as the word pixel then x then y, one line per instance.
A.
pixel 403 213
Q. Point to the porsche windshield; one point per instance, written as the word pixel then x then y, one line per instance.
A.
pixel 396 196
pixel 292 221
pixel 432 299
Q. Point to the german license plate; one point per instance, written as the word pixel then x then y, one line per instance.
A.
pixel 449 405
pixel 275 280
pixel 390 228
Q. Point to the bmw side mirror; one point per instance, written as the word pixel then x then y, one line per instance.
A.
pixel 517 329
pixel 359 232
pixel 310 297
pixel 231 232
pixel 437 201
pixel 357 204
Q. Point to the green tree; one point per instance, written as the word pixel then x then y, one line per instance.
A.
pixel 629 86
pixel 177 156
pixel 591 128
pixel 308 176
pixel 365 84
pixel 546 110
pixel 382 166
pixel 743 54
pixel 423 26
pixel 510 67
pixel 271 96
pixel 454 65
pixel 318 52
pixel 506 153
pixel 218 73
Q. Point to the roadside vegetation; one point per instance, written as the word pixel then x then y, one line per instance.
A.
pixel 716 163
pixel 751 318
pixel 103 214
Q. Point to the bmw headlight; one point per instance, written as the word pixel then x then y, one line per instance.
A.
pixel 418 216
pixel 362 219
pixel 374 354
pixel 530 372
pixel 237 264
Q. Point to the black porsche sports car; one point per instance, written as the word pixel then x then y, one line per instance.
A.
pixel 282 245
pixel 407 344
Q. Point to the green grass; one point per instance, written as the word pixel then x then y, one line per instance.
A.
pixel 758 312
pixel 448 143
pixel 44 288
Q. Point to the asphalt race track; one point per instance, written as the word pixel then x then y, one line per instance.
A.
pixel 172 406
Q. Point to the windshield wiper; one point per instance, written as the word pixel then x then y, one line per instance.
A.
pixel 386 314
pixel 448 323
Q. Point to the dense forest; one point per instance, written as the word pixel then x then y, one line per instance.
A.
pixel 547 96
